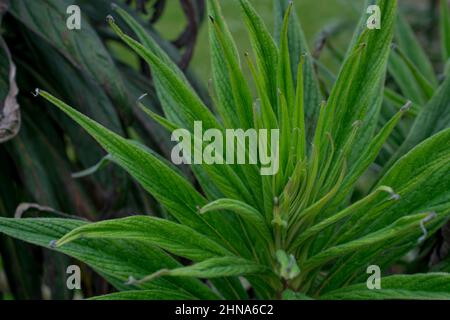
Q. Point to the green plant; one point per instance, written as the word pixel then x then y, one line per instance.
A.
pixel 416 73
pixel 298 234
pixel 37 161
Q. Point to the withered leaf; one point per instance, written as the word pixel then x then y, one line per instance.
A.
pixel 9 107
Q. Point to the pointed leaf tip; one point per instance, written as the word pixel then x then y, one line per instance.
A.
pixel 131 281
pixel 150 277
pixel 110 19
pixel 36 92
pixel 142 96
pixel 428 218
pixel 53 244
pixel 407 106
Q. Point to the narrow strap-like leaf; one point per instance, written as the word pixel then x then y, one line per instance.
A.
pixel 179 100
pixel 340 216
pixel 264 47
pixel 168 235
pixel 251 215
pixel 298 46
pixel 431 119
pixel 164 183
pixel 213 268
pixel 403 226
pixel 410 45
pixel 112 259
pixel 431 286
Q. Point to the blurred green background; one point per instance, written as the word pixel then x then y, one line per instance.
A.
pixel 315 15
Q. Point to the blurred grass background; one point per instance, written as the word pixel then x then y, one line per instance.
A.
pixel 315 15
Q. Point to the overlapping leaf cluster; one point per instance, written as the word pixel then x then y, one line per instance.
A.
pixel 40 148
pixel 296 234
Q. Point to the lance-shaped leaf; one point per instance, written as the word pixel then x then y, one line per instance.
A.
pixel 409 44
pixel 184 107
pixel 432 286
pixel 252 216
pixel 351 267
pixel 354 210
pixel 165 184
pixel 360 76
pixel 225 105
pixel 264 48
pixel 116 260
pixel 218 180
pixel 214 268
pixel 179 100
pixel 427 88
pixel 240 90
pixel 168 235
pixel 148 42
pixel 402 227
pixel 298 47
pixel 285 82
pixel 420 178
pixel 368 156
pixel 433 117
pixel 404 78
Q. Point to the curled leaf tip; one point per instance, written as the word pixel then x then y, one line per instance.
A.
pixel 395 196
pixel 276 201
pixel 290 5
pixel 302 58
pixel 406 107
pixel 142 96
pixel 278 221
pixel 157 274
pixel 110 19
pixel 36 92
pixel 357 123
pixel 428 218
pixel 131 281
pixel 53 244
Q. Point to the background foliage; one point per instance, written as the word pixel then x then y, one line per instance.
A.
pixel 40 160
